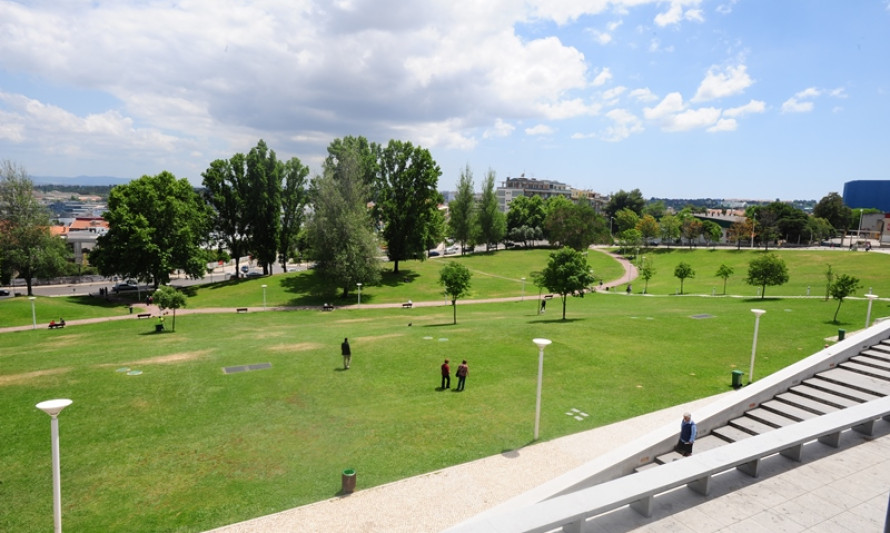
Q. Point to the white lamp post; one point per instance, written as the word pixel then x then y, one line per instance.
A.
pixel 359 294
pixel 757 314
pixel 33 312
pixel 541 343
pixel 53 408
pixel 264 297
pixel 523 289
pixel 871 299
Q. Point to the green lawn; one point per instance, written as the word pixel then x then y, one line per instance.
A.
pixel 185 447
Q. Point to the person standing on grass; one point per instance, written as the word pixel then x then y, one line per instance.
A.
pixel 462 371
pixel 446 375
pixel 688 430
pixel 346 352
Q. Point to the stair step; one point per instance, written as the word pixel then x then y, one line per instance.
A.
pixel 883 355
pixel 855 380
pixel 730 433
pixel 770 418
pixel 805 402
pixel 820 395
pixel 787 410
pixel 866 367
pixel 750 425
pixel 647 466
pixel 708 442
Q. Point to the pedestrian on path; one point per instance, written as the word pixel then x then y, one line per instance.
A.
pixel 688 429
pixel 543 306
pixel 346 352
pixel 446 375
pixel 462 372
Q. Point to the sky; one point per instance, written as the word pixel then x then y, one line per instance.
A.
pixel 754 99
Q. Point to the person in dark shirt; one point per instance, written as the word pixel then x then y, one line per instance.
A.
pixel 446 375
pixel 347 353
pixel 688 429
pixel 462 372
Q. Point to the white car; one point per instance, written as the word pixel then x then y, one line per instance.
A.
pixel 452 250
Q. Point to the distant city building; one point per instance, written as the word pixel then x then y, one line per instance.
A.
pixel 866 194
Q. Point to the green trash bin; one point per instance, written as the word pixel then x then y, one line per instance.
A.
pixel 840 334
pixel 737 379
pixel 348 481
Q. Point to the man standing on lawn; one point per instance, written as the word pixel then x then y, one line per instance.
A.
pixel 446 375
pixel 347 353
pixel 462 371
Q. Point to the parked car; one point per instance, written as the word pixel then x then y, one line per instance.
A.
pixel 433 253
pixel 129 285
pixel 254 274
pixel 452 250
pixel 4 292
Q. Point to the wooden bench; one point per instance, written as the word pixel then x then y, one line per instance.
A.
pixel 327 307
pixel 56 326
pixel 241 310
pixel 407 305
pixel 143 315
pixel 548 296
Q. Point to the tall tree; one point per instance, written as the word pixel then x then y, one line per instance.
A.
pixel 264 204
pixel 157 224
pixel 768 269
pixel 692 228
pixel 340 229
pixel 573 225
pixel 226 190
pixel 632 200
pixel 626 219
pixel 670 229
pixel 28 248
pixel 294 197
pixel 460 222
pixel 567 272
pixel 366 156
pixel 832 209
pixel 526 211
pixel 455 278
pixel 711 232
pixel 648 228
pixel 406 199
pixel 490 222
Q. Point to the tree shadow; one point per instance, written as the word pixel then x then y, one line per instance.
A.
pixel 756 299
pixel 388 278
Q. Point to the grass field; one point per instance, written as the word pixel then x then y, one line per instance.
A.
pixel 185 447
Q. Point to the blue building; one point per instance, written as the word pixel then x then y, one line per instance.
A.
pixel 866 194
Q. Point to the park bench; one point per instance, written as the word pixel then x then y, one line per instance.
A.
pixel 548 296
pixel 241 310
pixel 143 315
pixel 327 307
pixel 407 305
pixel 56 325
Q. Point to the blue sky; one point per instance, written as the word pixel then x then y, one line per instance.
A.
pixel 686 98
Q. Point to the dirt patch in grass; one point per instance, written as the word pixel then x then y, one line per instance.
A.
pixel 295 347
pixel 352 320
pixel 380 337
pixel 166 359
pixel 18 379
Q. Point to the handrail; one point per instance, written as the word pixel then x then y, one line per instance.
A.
pixel 570 511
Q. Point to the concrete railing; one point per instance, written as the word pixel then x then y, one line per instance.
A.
pixel 569 512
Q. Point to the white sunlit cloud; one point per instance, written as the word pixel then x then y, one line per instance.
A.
pixel 677 13
pixel 801 102
pixel 723 83
pixel 754 106
pixel 603 77
pixel 539 129
pixel 500 129
pixel 624 124
pixel 643 95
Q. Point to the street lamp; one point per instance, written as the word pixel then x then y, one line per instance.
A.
pixel 53 408
pixel 871 299
pixel 757 314
pixel 359 294
pixel 541 343
pixel 33 312
pixel 523 289
pixel 264 297
pixel 611 219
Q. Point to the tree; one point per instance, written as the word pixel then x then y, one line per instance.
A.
pixel 567 272
pixel 829 277
pixel 572 225
pixel 226 189
pixel 692 228
pixel 491 224
pixel 294 198
pixel 168 297
pixel 842 287
pixel 683 271
pixel 157 224
pixel 725 272
pixel 406 199
pixel 264 204
pixel 768 269
pixel 460 210
pixel 832 209
pixel 630 241
pixel 360 152
pixel 741 231
pixel 626 219
pixel 340 230
pixel 711 232
pixel 648 228
pixel 526 211
pixel 28 248
pixel 670 229
pixel 647 270
pixel 632 200
pixel 657 209
pixel 455 278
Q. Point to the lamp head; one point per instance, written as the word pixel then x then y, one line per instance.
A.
pixel 758 312
pixel 541 342
pixel 53 407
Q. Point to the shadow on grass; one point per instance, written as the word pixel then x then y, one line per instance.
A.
pixel 764 299
pixel 558 320
pixel 389 278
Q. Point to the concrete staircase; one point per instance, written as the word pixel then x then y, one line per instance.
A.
pixel 861 378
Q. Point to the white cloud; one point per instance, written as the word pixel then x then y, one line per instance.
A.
pixel 540 129
pixel 801 101
pixel 500 129
pixel 724 124
pixel 624 124
pixel 720 84
pixel 754 106
pixel 643 95
pixel 603 77
pixel 676 13
pixel 611 96
pixel 840 92
pixel 670 105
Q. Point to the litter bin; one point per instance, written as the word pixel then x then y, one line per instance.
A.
pixel 131 309
pixel 159 328
pixel 840 334
pixel 737 379
pixel 348 480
